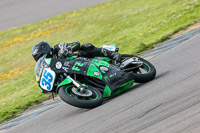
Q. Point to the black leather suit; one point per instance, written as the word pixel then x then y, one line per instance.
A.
pixel 87 50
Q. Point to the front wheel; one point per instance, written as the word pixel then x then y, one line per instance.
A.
pixel 144 72
pixel 89 98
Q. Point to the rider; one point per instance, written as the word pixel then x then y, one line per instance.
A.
pixel 63 50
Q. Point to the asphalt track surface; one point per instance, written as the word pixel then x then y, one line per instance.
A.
pixel 19 12
pixel 168 104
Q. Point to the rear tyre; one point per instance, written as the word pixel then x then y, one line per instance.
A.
pixel 88 99
pixel 144 73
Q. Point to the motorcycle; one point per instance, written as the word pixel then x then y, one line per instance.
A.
pixel 85 82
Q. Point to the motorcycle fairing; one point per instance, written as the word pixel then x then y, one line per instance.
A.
pixel 117 81
pixel 114 78
pixel 47 79
pixel 64 82
pixel 77 65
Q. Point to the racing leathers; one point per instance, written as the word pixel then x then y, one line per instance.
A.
pixel 87 50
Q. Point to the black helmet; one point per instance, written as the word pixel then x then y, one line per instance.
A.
pixel 41 49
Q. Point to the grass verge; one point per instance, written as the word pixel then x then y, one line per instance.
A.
pixel 134 25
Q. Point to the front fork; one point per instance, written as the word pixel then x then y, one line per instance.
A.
pixel 79 86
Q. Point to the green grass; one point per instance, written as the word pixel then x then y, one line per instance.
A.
pixel 134 25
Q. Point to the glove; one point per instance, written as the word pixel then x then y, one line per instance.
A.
pixel 65 49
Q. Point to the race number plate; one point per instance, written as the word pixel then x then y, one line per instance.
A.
pixel 47 79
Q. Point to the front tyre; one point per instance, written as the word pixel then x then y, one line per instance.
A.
pixel 88 99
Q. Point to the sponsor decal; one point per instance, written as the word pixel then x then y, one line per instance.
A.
pixel 58 65
pixel 66 64
pixel 105 69
pixel 77 66
pixel 98 61
pixel 65 68
pixel 96 73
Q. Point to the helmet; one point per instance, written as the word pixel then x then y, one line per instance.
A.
pixel 41 49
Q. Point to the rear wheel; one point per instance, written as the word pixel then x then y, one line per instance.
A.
pixel 142 73
pixel 89 98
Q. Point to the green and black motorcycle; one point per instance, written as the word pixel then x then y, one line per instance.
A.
pixel 84 82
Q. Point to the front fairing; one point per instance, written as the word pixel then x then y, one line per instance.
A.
pixel 45 77
pixel 109 74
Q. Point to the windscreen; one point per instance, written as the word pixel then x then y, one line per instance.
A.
pixel 39 67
